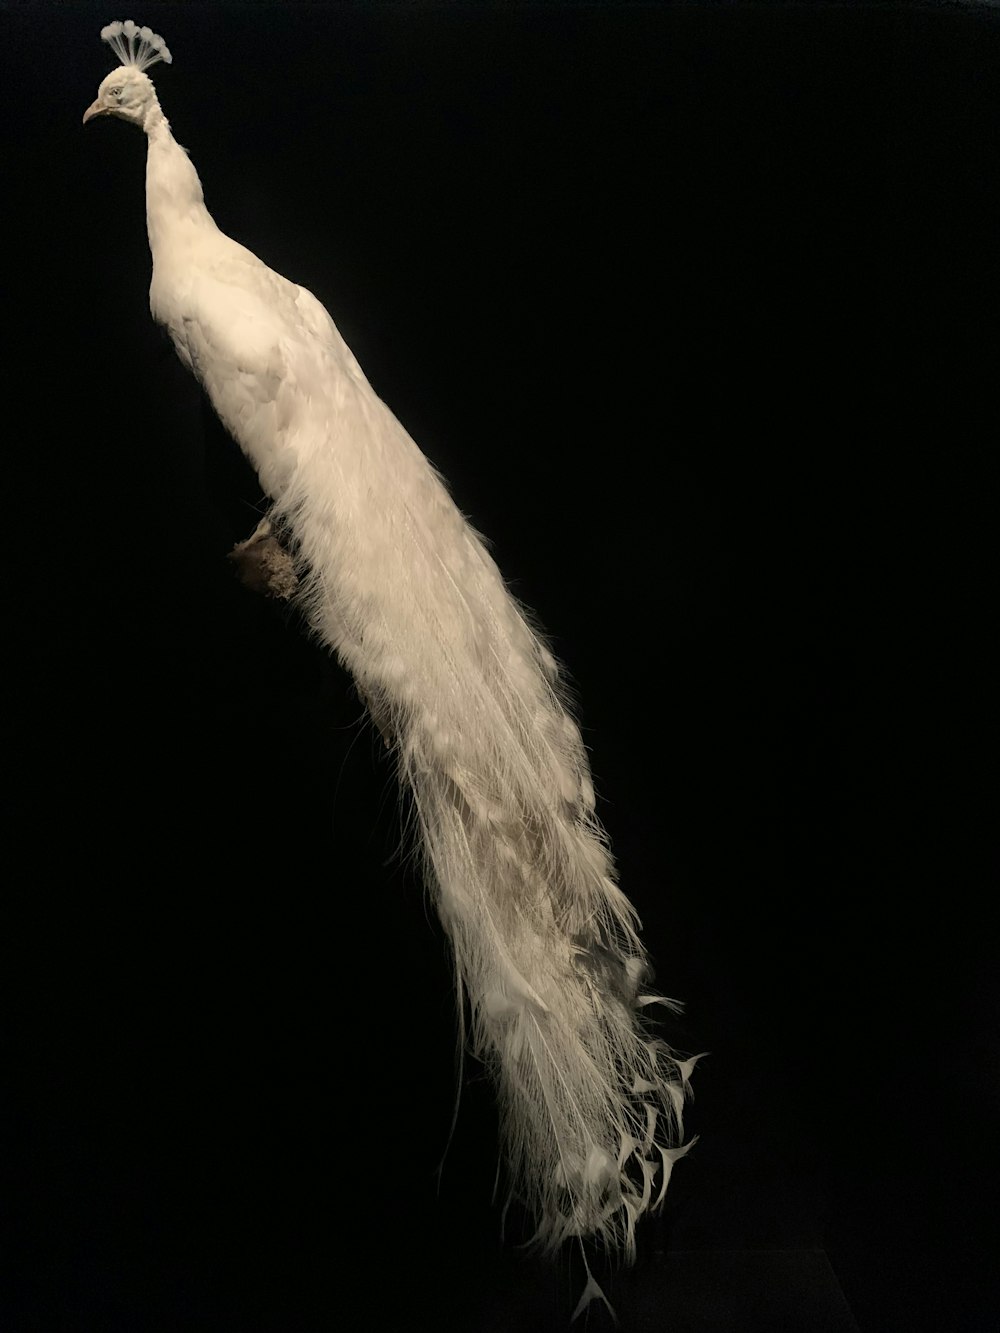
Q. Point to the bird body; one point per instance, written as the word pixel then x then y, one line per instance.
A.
pixel 396 583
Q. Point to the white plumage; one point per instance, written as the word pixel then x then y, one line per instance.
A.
pixel 397 584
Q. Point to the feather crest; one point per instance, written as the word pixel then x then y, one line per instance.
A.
pixel 136 46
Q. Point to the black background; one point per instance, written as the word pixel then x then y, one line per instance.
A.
pixel 696 308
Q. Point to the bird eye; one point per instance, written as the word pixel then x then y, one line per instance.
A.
pixel 116 92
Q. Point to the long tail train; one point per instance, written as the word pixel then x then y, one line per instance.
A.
pixel 546 945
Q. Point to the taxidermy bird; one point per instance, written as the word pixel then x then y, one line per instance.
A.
pixel 362 532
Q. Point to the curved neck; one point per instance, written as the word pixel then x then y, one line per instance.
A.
pixel 175 205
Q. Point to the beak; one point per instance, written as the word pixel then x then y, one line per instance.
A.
pixel 95 109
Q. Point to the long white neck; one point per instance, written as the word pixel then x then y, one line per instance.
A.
pixel 175 205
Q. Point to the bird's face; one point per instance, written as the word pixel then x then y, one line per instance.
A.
pixel 125 93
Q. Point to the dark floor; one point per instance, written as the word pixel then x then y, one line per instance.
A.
pixel 752 1291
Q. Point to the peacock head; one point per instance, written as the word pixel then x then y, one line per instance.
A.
pixel 127 92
